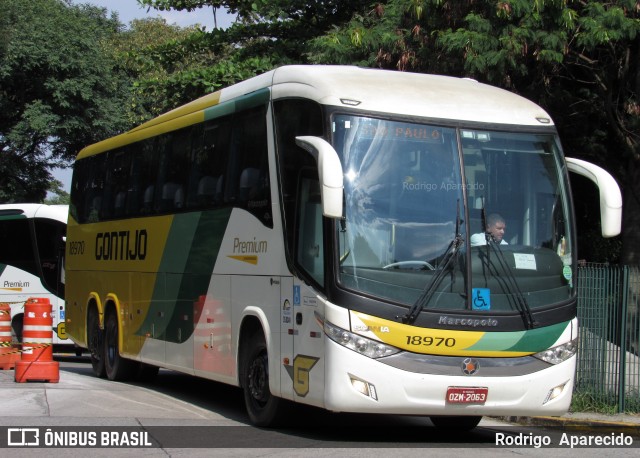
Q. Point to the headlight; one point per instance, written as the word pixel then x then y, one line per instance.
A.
pixel 362 345
pixel 560 353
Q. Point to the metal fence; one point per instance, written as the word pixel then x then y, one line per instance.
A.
pixel 608 368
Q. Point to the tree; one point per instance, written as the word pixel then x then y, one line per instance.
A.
pixel 59 90
pixel 58 196
pixel 170 66
pixel 268 33
pixel 578 59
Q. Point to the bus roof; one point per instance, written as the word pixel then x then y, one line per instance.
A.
pixel 55 212
pixel 370 90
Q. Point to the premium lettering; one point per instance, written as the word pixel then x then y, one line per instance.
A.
pixel 250 246
pixel 121 245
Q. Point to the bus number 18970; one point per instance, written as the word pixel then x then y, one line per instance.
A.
pixel 428 341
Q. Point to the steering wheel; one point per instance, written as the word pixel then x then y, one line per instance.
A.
pixel 409 265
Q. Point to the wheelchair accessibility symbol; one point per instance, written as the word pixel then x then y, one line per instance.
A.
pixel 481 299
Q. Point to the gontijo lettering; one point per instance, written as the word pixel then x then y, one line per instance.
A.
pixel 121 245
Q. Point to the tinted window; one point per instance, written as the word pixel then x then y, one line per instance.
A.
pixel 17 247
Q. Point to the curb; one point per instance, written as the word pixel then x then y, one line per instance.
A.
pixel 578 424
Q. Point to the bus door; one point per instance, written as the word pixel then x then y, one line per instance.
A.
pixel 306 366
pixel 307 363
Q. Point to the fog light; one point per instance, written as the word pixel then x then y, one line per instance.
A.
pixel 555 392
pixel 363 387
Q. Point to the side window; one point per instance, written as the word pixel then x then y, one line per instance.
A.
pixel 295 117
pixel 90 188
pixel 114 198
pixel 310 249
pixel 76 205
pixel 49 235
pixel 175 151
pixel 144 171
pixel 17 246
pixel 209 164
pixel 248 169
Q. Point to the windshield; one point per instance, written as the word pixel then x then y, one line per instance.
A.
pixel 445 218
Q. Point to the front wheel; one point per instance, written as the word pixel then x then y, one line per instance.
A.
pixel 263 408
pixel 455 423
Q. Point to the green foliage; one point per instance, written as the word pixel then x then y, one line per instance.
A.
pixel 57 195
pixel 58 90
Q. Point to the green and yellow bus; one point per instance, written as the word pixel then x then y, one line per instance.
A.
pixel 306 235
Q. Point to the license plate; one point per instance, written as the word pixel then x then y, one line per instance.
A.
pixel 467 395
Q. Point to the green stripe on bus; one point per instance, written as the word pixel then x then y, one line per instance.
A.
pixel 540 339
pixel 254 99
pixel 184 274
pixel 533 340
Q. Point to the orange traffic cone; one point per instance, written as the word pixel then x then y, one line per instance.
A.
pixel 37 362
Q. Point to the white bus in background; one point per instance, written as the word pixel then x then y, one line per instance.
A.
pixel 32 262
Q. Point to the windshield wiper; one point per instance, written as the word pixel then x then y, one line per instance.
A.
pixel 450 256
pixel 511 285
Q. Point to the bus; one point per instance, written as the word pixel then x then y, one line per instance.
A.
pixel 304 235
pixel 32 262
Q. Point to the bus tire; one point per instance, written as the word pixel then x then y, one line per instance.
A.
pixel 116 367
pixel 95 343
pixel 455 423
pixel 16 329
pixel 264 408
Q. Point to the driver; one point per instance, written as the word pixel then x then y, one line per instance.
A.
pixel 496 227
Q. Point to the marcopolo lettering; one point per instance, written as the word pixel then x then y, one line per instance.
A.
pixel 472 322
pixel 121 245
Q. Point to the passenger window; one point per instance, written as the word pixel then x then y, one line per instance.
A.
pixel 248 184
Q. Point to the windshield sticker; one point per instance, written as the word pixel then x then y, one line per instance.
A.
pixel 481 299
pixel 525 261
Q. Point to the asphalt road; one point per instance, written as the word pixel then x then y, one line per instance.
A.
pixel 179 415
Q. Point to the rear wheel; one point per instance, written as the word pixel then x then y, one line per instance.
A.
pixel 95 340
pixel 459 423
pixel 116 367
pixel 263 408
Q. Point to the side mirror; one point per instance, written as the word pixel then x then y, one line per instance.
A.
pixel 610 196
pixel 329 172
